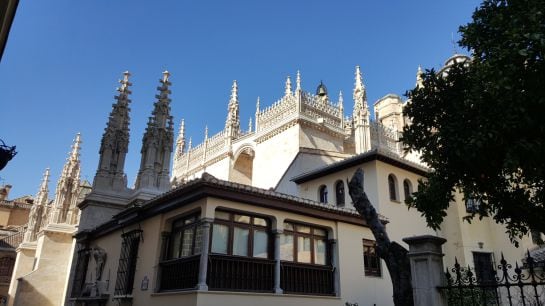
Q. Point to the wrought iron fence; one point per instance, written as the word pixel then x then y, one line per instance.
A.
pixel 306 279
pixel 180 273
pixel 519 285
pixel 12 241
pixel 240 274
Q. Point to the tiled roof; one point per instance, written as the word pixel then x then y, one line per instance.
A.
pixel 374 154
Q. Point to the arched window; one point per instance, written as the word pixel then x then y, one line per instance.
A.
pixel 392 187
pixel 323 194
pixel 407 189
pixel 339 193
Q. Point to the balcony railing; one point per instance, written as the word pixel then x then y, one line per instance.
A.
pixel 306 279
pixel 180 273
pixel 240 273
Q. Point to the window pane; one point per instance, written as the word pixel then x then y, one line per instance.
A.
pixel 187 241
pixel 260 244
pixel 222 215
pixel 286 247
pixel 242 219
pixel 303 249
pixel 303 229
pixel 260 221
pixel 320 232
pixel 198 240
pixel 178 223
pixel 319 251
pixel 240 241
pixel 220 237
pixel 190 220
pixel 175 249
pixel 288 226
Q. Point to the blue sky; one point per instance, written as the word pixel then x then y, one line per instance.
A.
pixel 64 58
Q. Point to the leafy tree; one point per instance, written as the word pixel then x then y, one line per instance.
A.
pixel 480 125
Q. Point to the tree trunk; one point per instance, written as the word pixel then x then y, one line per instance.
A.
pixel 392 253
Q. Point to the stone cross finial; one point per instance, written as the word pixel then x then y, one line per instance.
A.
pixel 125 81
pixel 288 86
pixel 166 74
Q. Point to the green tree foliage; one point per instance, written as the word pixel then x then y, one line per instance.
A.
pixel 480 125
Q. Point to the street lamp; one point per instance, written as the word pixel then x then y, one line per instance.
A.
pixel 6 154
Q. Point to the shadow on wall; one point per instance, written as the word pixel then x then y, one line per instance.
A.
pixel 27 294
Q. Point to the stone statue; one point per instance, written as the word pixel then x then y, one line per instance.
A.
pixel 100 259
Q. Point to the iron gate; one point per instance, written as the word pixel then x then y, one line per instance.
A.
pixel 519 285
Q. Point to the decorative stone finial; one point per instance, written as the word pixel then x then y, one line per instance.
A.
pixel 234 91
pixel 257 106
pixel 206 132
pixel 250 125
pixel 341 99
pixel 166 74
pixel 298 81
pixel 288 87
pixel 419 79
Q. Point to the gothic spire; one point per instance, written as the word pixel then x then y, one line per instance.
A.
pixel 180 141
pixel 298 82
pixel 360 95
pixel 157 143
pixel 419 80
pixel 66 194
pixel 232 124
pixel 110 175
pixel 257 106
pixel 341 100
pixel 43 193
pixel 288 91
pixel 36 211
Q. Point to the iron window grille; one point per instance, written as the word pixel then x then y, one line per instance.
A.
pixel 81 271
pixel 371 261
pixel 127 263
pixel 6 269
pixel 472 205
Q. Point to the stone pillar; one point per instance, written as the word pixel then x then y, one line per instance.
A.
pixel 425 255
pixel 277 288
pixel 335 265
pixel 203 265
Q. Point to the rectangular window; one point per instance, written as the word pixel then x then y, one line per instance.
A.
pixel 304 244
pixel 240 235
pixel 240 241
pixel 220 238
pixel 185 237
pixel 127 263
pixel 260 244
pixel 286 247
pixel 303 249
pixel 371 261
